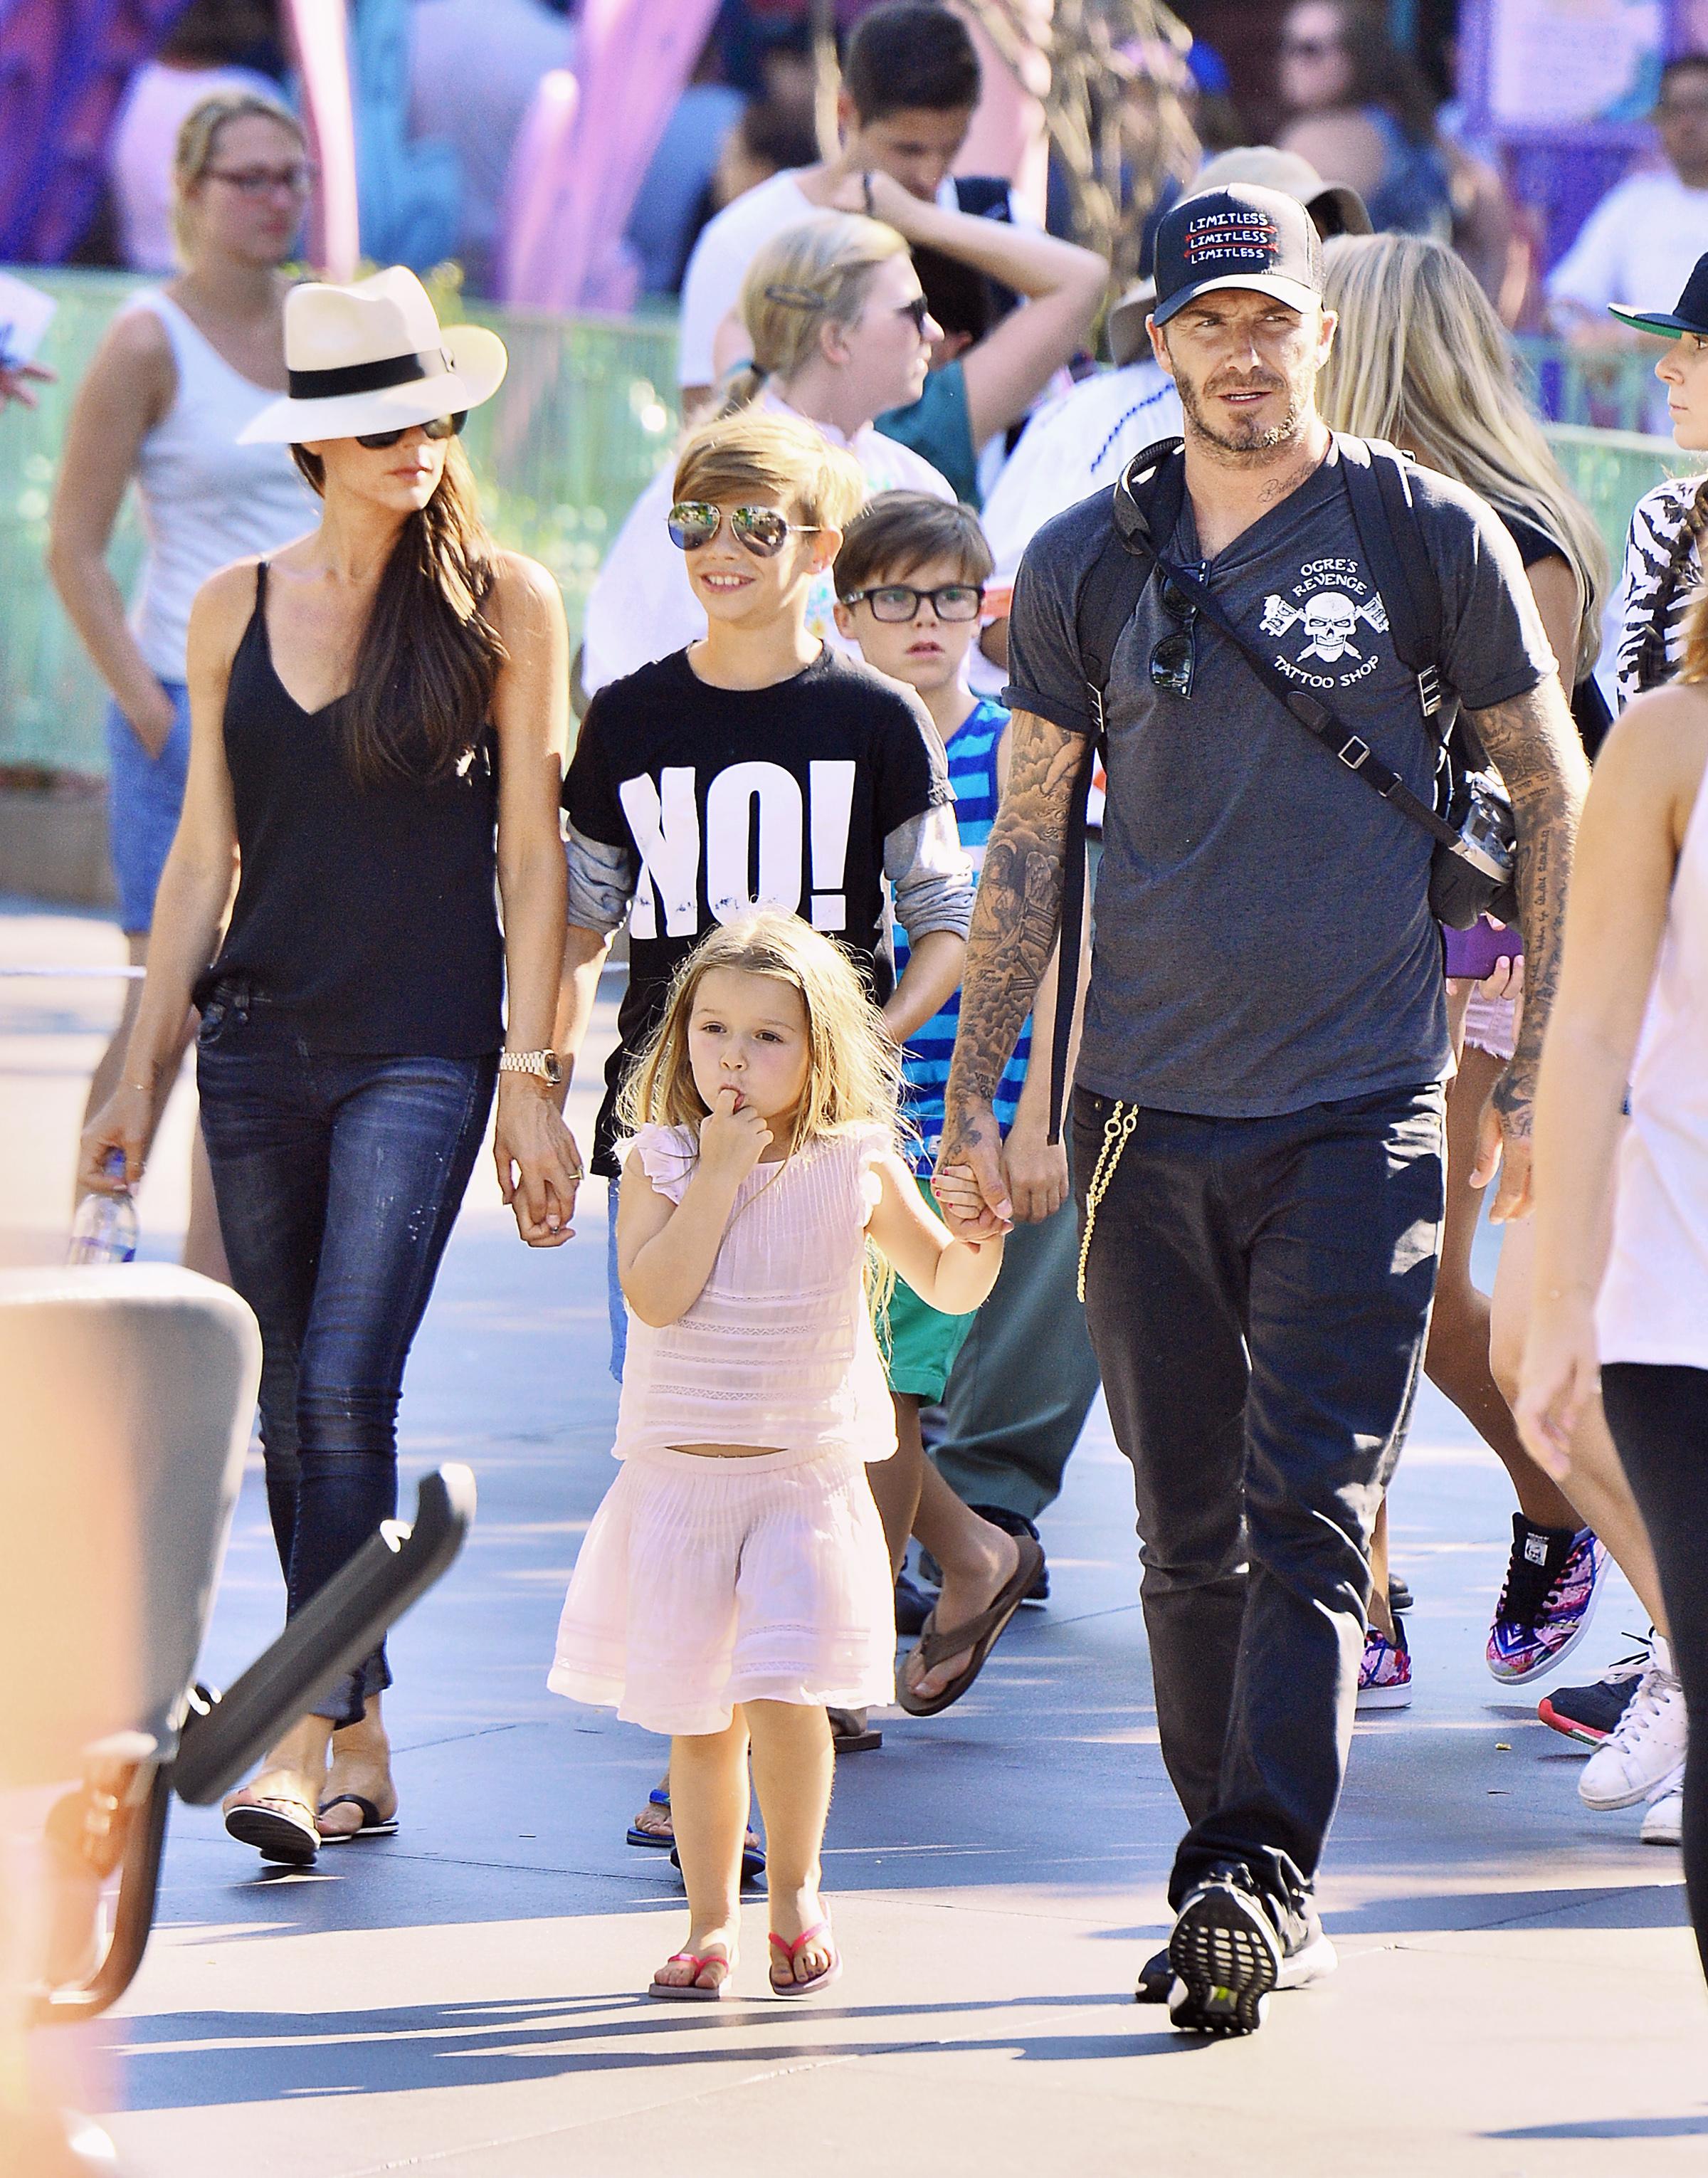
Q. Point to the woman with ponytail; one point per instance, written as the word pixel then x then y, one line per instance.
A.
pixel 840 333
pixel 377 728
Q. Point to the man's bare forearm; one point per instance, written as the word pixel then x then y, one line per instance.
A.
pixel 1533 743
pixel 1018 907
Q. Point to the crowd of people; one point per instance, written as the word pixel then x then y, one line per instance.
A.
pixel 906 1152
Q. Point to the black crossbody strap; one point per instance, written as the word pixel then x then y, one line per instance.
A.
pixel 1348 749
pixel 1396 551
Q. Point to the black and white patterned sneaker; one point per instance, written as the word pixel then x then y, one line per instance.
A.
pixel 1225 1954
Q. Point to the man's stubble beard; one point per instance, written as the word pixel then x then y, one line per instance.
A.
pixel 1247 438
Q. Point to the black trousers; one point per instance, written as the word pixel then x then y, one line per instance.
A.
pixel 1258 1293
pixel 1659 1420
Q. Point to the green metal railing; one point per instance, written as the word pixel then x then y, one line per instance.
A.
pixel 586 417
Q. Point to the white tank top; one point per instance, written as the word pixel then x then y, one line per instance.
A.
pixel 778 1350
pixel 206 500
pixel 1653 1300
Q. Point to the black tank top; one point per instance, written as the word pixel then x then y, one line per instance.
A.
pixel 366 916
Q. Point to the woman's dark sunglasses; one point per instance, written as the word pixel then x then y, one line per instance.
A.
pixel 898 601
pixel 763 530
pixel 441 427
pixel 916 308
pixel 1175 658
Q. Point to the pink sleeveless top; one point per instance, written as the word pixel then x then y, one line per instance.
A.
pixel 778 1350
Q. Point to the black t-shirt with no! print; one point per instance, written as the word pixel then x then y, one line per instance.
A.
pixel 731 799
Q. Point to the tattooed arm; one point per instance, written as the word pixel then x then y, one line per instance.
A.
pixel 1014 926
pixel 1532 742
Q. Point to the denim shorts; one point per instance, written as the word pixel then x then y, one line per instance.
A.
pixel 144 798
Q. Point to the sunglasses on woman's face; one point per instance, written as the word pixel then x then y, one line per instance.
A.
pixel 441 427
pixel 693 523
pixel 916 308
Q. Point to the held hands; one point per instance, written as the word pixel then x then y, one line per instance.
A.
pixel 540 1167
pixel 733 1137
pixel 958 1196
pixel 125 1122
pixel 971 1151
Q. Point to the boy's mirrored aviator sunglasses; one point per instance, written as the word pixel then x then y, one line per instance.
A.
pixel 441 427
pixel 763 530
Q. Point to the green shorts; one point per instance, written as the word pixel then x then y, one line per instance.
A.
pixel 920 1342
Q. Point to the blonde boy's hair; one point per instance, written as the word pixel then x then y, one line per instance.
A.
pixel 777 456
pixel 853 1067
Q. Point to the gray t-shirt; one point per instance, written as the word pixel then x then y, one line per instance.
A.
pixel 1263 935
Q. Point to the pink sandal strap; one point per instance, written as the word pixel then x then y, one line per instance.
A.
pixel 792 1951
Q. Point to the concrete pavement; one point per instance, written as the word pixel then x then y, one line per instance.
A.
pixel 1518 1992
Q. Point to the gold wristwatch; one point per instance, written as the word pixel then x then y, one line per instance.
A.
pixel 545 1064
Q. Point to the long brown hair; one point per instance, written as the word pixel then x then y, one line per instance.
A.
pixel 429 656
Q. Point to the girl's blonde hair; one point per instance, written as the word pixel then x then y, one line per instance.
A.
pixel 853 1067
pixel 1693 641
pixel 807 277
pixel 1419 358
pixel 198 137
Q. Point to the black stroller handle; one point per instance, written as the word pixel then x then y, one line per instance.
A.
pixel 336 1628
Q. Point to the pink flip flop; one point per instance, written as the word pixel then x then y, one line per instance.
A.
pixel 792 1951
pixel 690 1992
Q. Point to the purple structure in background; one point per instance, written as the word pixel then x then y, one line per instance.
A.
pixel 1561 170
pixel 63 68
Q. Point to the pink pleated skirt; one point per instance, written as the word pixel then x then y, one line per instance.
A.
pixel 705 1582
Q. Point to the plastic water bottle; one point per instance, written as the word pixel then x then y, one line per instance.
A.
pixel 105 1230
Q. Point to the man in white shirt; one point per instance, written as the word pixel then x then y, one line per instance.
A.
pixel 909 87
pixel 1647 232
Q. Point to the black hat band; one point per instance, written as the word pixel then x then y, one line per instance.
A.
pixel 367 377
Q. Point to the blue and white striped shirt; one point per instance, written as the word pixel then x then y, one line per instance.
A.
pixel 972 751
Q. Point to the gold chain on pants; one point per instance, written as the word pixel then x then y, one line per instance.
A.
pixel 1117 1128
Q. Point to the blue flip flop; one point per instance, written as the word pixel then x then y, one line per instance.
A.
pixel 658 1798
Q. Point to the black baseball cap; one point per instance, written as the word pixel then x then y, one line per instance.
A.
pixel 1237 237
pixel 1691 315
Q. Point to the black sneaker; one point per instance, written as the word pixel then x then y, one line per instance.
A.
pixel 1225 1954
pixel 1232 1944
pixel 1011 1523
pixel 1588 1713
pixel 1400 1595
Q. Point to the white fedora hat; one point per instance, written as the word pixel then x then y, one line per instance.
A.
pixel 372 357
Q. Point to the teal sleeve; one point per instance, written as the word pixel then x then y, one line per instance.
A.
pixel 940 426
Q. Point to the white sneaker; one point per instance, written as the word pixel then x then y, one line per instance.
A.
pixel 1639 1758
pixel 1664 1824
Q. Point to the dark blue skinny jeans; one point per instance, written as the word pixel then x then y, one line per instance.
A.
pixel 338 1179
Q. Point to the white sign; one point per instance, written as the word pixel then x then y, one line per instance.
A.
pixel 1556 63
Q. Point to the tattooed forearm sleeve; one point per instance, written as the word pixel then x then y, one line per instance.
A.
pixel 1018 905
pixel 1533 744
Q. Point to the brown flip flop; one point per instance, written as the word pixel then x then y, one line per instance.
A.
pixel 979 1634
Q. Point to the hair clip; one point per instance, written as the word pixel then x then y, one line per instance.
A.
pixel 794 299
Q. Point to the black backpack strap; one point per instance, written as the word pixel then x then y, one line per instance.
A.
pixel 1109 597
pixel 1396 551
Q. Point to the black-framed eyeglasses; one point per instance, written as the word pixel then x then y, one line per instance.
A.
pixel 900 601
pixel 693 523
pixel 441 427
pixel 256 181
pixel 916 308
pixel 1175 658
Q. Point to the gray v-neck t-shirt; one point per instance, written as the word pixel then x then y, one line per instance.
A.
pixel 1263 939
